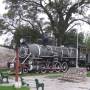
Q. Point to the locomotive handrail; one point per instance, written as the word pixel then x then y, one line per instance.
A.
pixel 26 58
pixel 47 56
pixel 14 59
pixel 61 52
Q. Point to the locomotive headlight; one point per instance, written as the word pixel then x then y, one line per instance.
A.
pixel 81 56
pixel 21 40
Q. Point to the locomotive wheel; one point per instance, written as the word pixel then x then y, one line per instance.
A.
pixel 64 67
pixel 57 67
pixel 50 66
pixel 43 68
pixel 24 70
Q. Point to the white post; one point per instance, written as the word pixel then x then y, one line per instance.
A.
pixel 77 52
pixel 77 44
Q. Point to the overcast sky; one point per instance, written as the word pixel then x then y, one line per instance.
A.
pixel 2 7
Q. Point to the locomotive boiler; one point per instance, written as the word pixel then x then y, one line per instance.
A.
pixel 38 57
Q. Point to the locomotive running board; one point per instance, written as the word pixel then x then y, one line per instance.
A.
pixel 13 59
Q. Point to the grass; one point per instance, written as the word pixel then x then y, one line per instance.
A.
pixel 50 75
pixel 54 75
pixel 88 74
pixel 43 74
pixel 13 88
pixel 3 69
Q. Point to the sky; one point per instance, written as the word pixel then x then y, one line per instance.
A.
pixel 83 28
pixel 2 7
pixel 2 10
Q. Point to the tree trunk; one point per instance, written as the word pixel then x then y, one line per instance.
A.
pixel 59 41
pixel 59 34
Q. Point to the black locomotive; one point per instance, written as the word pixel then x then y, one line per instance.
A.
pixel 49 58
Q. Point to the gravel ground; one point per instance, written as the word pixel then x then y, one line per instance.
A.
pixel 54 83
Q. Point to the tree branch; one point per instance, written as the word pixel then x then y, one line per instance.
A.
pixel 46 11
pixel 11 25
pixel 78 20
pixel 40 26
pixel 28 22
pixel 73 10
pixel 72 27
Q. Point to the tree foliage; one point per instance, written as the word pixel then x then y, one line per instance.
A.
pixel 26 33
pixel 87 41
pixel 70 38
pixel 59 12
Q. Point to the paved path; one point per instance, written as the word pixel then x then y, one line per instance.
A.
pixel 55 84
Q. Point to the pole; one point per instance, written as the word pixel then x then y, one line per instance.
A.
pixel 17 64
pixel 17 81
pixel 77 44
pixel 77 52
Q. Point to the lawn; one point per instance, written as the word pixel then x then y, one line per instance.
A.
pixel 88 74
pixel 12 88
pixel 50 75
pixel 54 75
pixel 3 70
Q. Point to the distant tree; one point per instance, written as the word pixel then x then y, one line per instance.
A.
pixel 87 41
pixel 71 37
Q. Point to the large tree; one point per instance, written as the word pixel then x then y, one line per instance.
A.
pixel 59 12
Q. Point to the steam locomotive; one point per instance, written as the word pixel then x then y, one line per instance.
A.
pixel 49 58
